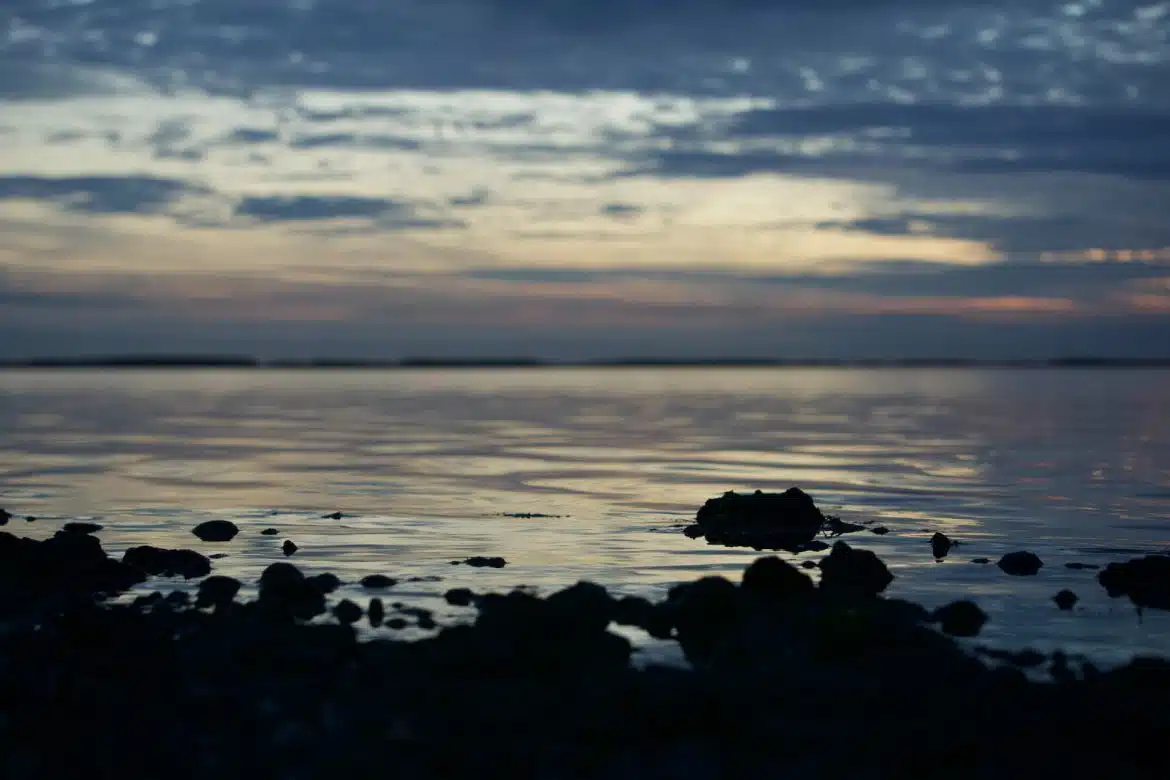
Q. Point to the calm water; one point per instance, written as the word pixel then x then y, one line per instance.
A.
pixel 1073 465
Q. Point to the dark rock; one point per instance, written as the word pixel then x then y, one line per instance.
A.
pixel 347 612
pixel 810 564
pixel 853 573
pixel 880 530
pixel 981 561
pixel 284 592
pixel 289 547
pixel 333 516
pixel 325 583
pixel 1081 566
pixel 693 531
pixel 217 556
pixel 426 578
pixel 269 532
pixel 960 618
pixel 480 562
pixel 835 526
pixel 1020 564
pixel 585 607
pixel 216 531
pixel 940 545
pixel 66 564
pixel 396 624
pixel 705 611
pixel 376 612
pixel 165 563
pixel 30 519
pixel 177 599
pixel 652 618
pixel 1145 580
pixel 217 591
pixel 81 528
pixel 459 597
pixel 775 580
pixel 378 582
pixel 1065 599
pixel 5 516
pixel 778 521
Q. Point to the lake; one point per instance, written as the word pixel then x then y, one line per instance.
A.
pixel 431 466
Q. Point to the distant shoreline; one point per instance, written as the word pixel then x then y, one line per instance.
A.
pixel 229 362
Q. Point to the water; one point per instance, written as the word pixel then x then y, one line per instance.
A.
pixel 1073 465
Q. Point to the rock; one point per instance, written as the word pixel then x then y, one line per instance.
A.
pixel 81 528
pixel 217 556
pixel 940 545
pixel 1081 566
pixel 284 592
pixel 396 624
pixel 1020 564
pixel 30 519
pixel 376 612
pixel 835 526
pixel 289 547
pixel 981 561
pixel 216 531
pixel 810 565
pixel 1065 599
pixel 853 573
pixel 66 564
pixel 347 612
pixel 378 582
pixel 704 612
pixel 880 530
pixel 480 562
pixel 269 532
pixel 325 583
pixel 165 563
pixel 960 618
pixel 584 607
pixel 778 521
pixel 459 597
pixel 217 591
pixel 772 579
pixel 177 599
pixel 333 516
pixel 1145 580
pixel 5 516
pixel 651 618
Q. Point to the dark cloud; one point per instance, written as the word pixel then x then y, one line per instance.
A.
pixel 388 214
pixel 378 142
pixel 100 194
pixel 621 210
pixel 245 136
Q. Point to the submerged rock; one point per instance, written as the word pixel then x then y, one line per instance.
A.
pixel 269 532
pixel 778 521
pixel 482 562
pixel 940 545
pixel 333 516
pixel 166 563
pixel 1020 564
pixel 289 547
pixel 961 618
pixel 378 582
pixel 1065 599
pixel 216 531
pixel 981 561
pixel 880 530
pixel 850 572
pixel 1145 580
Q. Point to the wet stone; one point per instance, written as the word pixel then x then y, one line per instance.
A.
pixel 852 572
pixel 1146 581
pixel 1065 599
pixel 880 530
pixel 269 532
pixel 459 597
pixel 216 531
pixel 1020 564
pixel 347 612
pixel 217 591
pixel 960 618
pixel 81 528
pixel 376 612
pixel 159 562
pixel 774 521
pixel 289 547
pixel 482 562
pixel 772 579
pixel 940 545
pixel 378 582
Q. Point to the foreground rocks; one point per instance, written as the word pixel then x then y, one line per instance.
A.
pixel 788 679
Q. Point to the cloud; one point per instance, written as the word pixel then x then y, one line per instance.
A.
pixel 388 214
pixel 101 194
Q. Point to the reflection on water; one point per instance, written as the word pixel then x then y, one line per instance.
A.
pixel 1074 465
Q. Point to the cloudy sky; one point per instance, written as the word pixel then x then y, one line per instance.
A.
pixel 578 178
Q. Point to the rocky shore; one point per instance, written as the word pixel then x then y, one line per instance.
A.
pixel 787 677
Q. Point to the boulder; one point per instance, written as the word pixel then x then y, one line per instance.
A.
pixel 775 580
pixel 216 531
pixel 378 582
pixel 1020 564
pixel 1065 599
pixel 853 573
pixel 775 521
pixel 1145 580
pixel 159 562
pixel 940 545
pixel 960 618
pixel 81 528
pixel 217 591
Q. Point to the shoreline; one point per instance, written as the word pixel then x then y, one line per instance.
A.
pixel 831 679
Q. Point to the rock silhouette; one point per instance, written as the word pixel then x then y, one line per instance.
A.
pixel 216 531
pixel 1020 564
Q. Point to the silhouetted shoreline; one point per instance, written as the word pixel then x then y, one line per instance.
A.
pixel 247 362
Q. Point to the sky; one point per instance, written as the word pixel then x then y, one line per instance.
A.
pixel 585 178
